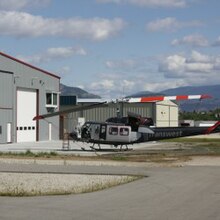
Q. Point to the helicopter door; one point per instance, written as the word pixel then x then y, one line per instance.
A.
pixel 102 134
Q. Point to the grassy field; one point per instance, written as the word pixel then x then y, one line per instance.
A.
pixel 193 140
pixel 174 150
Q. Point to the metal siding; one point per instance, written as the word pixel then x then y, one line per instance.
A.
pixel 5 117
pixel 166 114
pixel 174 122
pixel 101 114
pixel 144 109
pixel 6 103
pixel 6 90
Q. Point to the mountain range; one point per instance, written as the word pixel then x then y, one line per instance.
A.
pixel 197 105
pixel 80 93
pixel 189 105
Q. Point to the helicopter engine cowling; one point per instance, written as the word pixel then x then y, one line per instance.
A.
pixel 145 130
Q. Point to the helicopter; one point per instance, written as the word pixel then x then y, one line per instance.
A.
pixel 133 131
pixel 114 131
pixel 124 131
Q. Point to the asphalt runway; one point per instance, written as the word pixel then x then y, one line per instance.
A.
pixel 189 192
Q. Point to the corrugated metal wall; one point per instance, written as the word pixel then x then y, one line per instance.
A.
pixel 164 114
pixel 103 113
pixel 6 103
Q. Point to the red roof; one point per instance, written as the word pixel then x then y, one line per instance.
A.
pixel 29 65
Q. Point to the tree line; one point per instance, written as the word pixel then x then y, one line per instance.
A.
pixel 201 115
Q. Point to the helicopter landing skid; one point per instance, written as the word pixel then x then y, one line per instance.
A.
pixel 111 149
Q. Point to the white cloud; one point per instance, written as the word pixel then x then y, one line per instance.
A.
pixel 194 40
pixel 20 24
pixel 65 70
pixel 128 83
pixel 159 86
pixel 197 57
pixel 103 84
pixel 129 66
pixel 174 71
pixel 102 87
pixel 170 24
pixel 122 64
pixel 149 3
pixel 173 66
pixel 62 52
pixel 22 4
pixel 196 66
pixel 108 88
pixel 53 53
pixel 112 86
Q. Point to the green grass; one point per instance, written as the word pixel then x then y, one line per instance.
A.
pixel 30 154
pixel 192 140
pixel 119 157
pixel 197 146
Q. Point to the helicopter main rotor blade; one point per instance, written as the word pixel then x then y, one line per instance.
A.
pixel 75 109
pixel 128 100
pixel 163 98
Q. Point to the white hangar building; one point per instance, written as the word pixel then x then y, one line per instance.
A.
pixel 27 91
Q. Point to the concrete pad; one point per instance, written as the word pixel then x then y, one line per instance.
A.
pixel 75 148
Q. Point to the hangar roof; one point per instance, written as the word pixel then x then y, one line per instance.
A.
pixel 29 65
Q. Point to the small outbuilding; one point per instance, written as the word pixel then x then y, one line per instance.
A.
pixel 27 91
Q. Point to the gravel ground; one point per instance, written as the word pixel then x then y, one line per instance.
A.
pixel 29 184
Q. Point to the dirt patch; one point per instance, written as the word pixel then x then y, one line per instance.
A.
pixel 202 161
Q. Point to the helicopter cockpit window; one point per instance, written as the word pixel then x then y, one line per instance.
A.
pixel 113 131
pixel 124 131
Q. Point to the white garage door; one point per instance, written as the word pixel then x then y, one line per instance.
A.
pixel 26 110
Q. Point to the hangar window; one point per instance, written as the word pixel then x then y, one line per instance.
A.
pixel 51 99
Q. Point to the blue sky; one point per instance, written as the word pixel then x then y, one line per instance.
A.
pixel 116 47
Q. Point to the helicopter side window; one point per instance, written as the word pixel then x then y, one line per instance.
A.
pixel 113 131
pixel 124 131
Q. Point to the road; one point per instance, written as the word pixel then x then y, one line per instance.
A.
pixel 189 192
